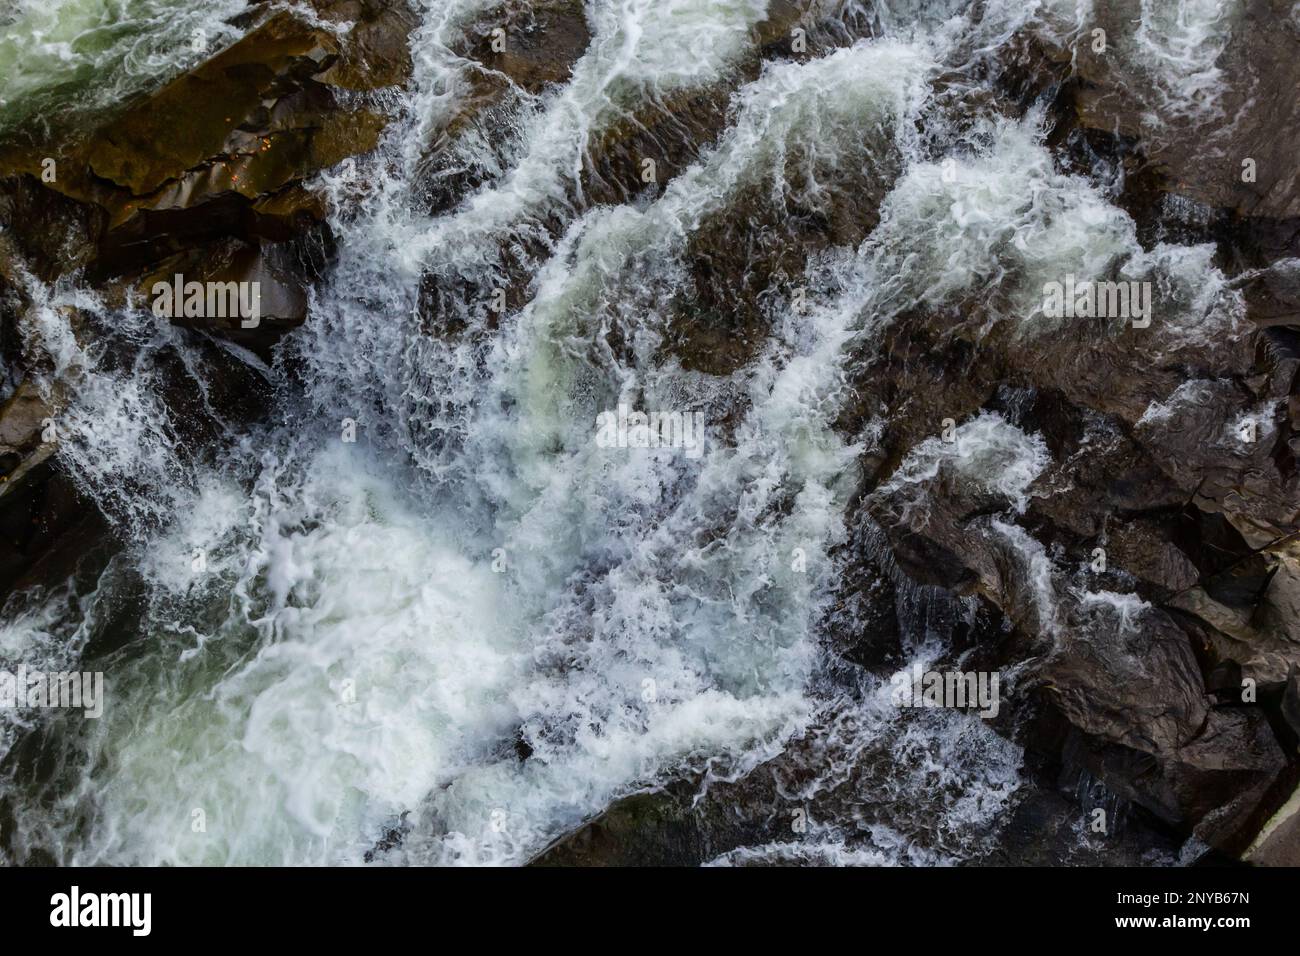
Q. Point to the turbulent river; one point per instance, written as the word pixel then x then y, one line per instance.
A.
pixel 459 636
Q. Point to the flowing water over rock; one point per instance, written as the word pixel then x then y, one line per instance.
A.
pixel 369 588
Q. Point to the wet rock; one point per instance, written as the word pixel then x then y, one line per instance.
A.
pixel 1193 519
pixel 1255 631
pixel 46 526
pixel 862 626
pixel 14 303
pixel 50 234
pixel 875 782
pixel 1278 841
pixel 537 45
pixel 43 520
pixel 23 421
pixel 673 130
pixel 1190 135
pixel 1163 497
pixel 536 48
pixel 393 835
pixel 376 52
pixel 1134 686
pixel 1289 712
pixel 682 823
pixel 246 121
pixel 647 829
pixel 207 177
pixel 269 268
pixel 1145 547
pixel 1048 828
pixel 543 41
pixel 1258 70
pixel 219 154
pixel 748 258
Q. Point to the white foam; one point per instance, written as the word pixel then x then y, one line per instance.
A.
pixel 1179 46
pixel 987 451
pixel 1192 392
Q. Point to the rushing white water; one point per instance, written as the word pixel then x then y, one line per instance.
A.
pixel 377 630
pixel 986 451
pixel 1179 45
pixel 113 426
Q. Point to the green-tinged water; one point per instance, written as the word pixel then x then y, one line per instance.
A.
pixel 63 58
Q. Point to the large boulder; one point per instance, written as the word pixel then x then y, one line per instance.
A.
pixel 222 154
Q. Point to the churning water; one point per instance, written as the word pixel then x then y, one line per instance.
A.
pixel 380 628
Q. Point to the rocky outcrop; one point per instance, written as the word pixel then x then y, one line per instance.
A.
pixel 24 420
pixel 514 52
pixel 1181 113
pixel 509 53
pixel 207 178
pixel 44 523
pixel 212 168
pixel 649 829
pixel 1173 694
pixel 1170 687
pixel 1234 121
pixel 1143 594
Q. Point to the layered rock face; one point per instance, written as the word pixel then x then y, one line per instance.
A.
pixel 1064 417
